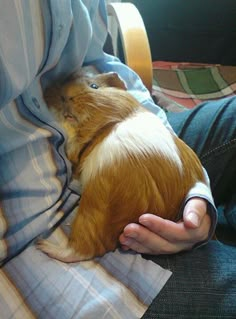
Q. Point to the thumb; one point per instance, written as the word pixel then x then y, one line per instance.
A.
pixel 194 212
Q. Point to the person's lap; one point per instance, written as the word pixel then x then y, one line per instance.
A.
pixel 203 284
pixel 210 130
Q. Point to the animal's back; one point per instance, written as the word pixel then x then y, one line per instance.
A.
pixel 137 168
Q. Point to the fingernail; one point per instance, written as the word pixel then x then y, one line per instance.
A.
pixel 132 235
pixel 128 238
pixel 193 217
pixel 144 222
pixel 125 242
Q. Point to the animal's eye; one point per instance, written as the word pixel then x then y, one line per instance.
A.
pixel 94 86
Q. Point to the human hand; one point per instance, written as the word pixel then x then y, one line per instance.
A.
pixel 154 235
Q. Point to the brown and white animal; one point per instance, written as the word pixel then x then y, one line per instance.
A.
pixel 127 161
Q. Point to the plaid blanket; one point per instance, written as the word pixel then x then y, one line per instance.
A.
pixel 188 84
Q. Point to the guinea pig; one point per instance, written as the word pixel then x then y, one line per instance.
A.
pixel 128 163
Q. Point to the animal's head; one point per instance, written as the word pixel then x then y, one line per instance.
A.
pixel 86 105
pixel 83 98
pixel 86 97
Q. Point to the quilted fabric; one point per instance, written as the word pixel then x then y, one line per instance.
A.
pixel 188 84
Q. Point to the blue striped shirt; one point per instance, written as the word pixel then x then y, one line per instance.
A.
pixel 41 42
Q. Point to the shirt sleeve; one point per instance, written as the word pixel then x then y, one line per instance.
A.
pixel 107 63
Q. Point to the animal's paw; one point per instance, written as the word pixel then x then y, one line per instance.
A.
pixel 59 252
pixel 47 247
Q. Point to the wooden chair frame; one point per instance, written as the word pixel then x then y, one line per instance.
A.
pixel 137 53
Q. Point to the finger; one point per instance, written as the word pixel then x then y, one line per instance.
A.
pixel 194 212
pixel 139 248
pixel 142 240
pixel 155 248
pixel 176 232
pixel 171 231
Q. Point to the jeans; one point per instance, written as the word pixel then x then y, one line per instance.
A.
pixel 203 284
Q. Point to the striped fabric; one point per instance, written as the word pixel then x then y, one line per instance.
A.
pixel 42 42
pixel 188 84
pixel 119 285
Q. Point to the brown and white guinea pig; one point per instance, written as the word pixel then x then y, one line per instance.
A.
pixel 127 161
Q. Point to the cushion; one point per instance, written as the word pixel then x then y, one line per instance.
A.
pixel 188 84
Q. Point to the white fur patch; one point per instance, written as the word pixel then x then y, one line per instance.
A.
pixel 143 132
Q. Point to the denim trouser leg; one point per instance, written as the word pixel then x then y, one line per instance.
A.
pixel 210 129
pixel 203 284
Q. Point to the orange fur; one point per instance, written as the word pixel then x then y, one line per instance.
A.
pixel 126 188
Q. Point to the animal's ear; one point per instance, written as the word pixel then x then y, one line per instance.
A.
pixel 111 79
